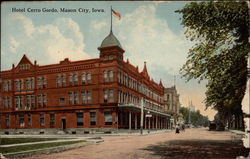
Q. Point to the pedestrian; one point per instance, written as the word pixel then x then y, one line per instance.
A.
pixel 177 129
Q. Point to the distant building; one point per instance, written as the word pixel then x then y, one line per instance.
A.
pixel 83 96
pixel 191 106
pixel 172 103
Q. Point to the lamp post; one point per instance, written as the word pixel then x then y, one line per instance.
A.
pixel 141 124
pixel 148 115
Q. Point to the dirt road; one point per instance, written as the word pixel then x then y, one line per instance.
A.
pixel 209 144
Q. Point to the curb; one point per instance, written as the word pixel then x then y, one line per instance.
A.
pixel 46 150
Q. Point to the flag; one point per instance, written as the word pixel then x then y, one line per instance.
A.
pixel 117 14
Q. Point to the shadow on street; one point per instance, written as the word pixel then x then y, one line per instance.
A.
pixel 196 149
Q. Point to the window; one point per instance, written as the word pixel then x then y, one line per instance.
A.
pixel 29 120
pixel 111 76
pixel 17 101
pixel 52 120
pixel 84 97
pixel 5 85
pixel 44 100
pixel 64 80
pixel 39 100
pixel 32 83
pixel 76 98
pixel 108 117
pixel 89 77
pixel 76 79
pixel 10 102
pixel 28 84
pixel 111 57
pixel 33 100
pixel 39 82
pixel 5 101
pixel 58 80
pixel 71 97
pixel 120 96
pixel 105 74
pixel 44 82
pixel 17 84
pixel 28 97
pixel 7 120
pixel 21 102
pixel 92 118
pixel 89 94
pixel 106 57
pixel 79 116
pixel 61 101
pixel 21 83
pixel 70 79
pixel 83 78
pixel 105 95
pixel 111 95
pixel 42 120
pixel 21 120
pixel 9 85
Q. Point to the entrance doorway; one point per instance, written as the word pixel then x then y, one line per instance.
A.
pixel 63 124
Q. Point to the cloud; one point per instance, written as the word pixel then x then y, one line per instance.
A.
pixel 151 36
pixel 48 43
pixel 98 26
pixel 146 37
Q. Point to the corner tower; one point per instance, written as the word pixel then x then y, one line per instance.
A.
pixel 111 48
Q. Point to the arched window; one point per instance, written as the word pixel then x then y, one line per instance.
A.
pixel 58 80
pixel 76 79
pixel 71 79
pixel 111 76
pixel 105 75
pixel 89 77
pixel 111 95
pixel 105 95
pixel 64 79
pixel 83 78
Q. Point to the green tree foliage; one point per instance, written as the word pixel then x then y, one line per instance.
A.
pixel 196 118
pixel 220 33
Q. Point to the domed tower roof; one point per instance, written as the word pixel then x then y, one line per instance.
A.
pixel 110 40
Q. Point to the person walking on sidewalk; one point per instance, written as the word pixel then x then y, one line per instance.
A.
pixel 177 129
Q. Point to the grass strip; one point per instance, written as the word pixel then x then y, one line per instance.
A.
pixel 8 141
pixel 36 146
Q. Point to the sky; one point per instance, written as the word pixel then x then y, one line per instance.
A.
pixel 147 31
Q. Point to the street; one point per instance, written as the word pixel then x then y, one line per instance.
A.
pixel 192 144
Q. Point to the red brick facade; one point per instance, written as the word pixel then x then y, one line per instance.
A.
pixel 98 93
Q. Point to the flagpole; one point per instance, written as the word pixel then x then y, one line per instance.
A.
pixel 111 18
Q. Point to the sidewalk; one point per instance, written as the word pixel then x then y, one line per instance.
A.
pixel 41 142
pixel 238 132
pixel 123 132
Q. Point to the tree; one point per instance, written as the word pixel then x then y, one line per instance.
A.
pixel 220 33
pixel 196 118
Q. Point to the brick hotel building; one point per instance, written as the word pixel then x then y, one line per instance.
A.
pixel 85 96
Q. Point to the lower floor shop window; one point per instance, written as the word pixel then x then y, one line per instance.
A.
pixel 108 117
pixel 52 120
pixel 92 118
pixel 29 120
pixel 42 122
pixel 79 116
pixel 21 120
pixel 7 119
